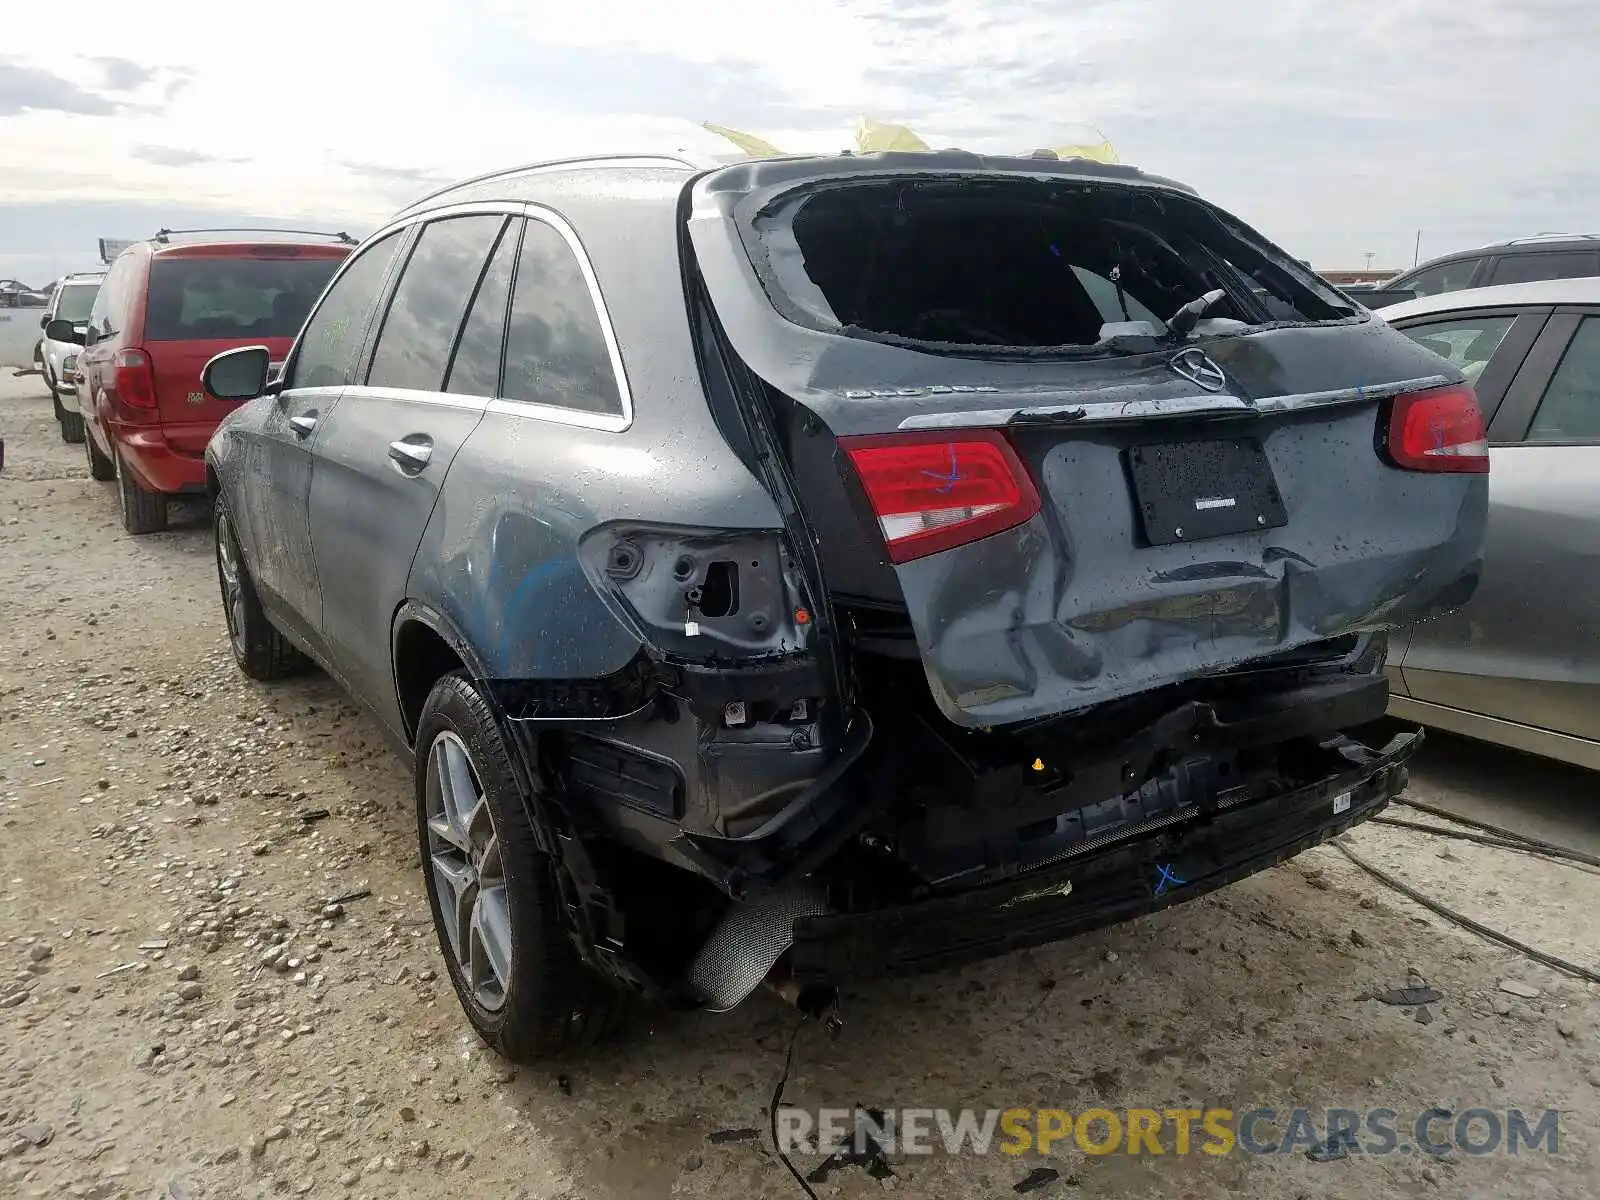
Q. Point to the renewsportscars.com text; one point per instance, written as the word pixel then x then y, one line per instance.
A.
pixel 1163 1131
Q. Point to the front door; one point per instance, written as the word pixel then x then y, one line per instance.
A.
pixel 382 456
pixel 272 507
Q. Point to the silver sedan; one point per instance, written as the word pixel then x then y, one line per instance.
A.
pixel 1520 664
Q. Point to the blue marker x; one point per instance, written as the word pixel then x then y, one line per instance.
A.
pixel 948 481
pixel 1167 877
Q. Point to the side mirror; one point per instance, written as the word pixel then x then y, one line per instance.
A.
pixel 63 331
pixel 237 374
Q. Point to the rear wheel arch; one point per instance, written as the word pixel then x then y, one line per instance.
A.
pixel 424 647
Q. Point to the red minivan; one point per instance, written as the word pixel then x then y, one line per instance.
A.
pixel 166 307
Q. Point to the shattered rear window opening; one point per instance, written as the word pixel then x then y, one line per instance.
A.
pixel 1021 264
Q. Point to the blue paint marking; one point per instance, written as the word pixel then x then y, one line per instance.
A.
pixel 515 601
pixel 1167 878
pixel 948 482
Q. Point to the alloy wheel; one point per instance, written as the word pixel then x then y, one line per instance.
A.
pixel 468 870
pixel 232 586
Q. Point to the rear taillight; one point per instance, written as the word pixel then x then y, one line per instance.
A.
pixel 1438 430
pixel 932 492
pixel 134 378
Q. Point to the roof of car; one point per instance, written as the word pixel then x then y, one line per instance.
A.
pixel 1584 290
pixel 82 277
pixel 761 170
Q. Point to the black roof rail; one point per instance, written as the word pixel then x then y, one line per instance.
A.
pixel 166 235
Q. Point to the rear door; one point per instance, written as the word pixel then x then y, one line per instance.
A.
pixel 203 301
pixel 382 456
pixel 270 504
pixel 1526 649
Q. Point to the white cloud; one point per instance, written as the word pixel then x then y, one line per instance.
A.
pixel 1336 128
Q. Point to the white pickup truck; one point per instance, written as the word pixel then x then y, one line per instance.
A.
pixel 20 331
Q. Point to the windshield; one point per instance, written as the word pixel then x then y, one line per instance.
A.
pixel 192 299
pixel 1020 263
pixel 75 301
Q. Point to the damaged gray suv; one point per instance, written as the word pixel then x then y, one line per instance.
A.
pixel 823 567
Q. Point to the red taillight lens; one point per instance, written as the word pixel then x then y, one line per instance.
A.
pixel 134 379
pixel 932 492
pixel 1438 430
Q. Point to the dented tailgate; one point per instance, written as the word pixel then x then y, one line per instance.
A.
pixel 1197 503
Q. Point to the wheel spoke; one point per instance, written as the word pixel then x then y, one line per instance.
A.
pixel 457 885
pixel 441 828
pixel 491 940
pixel 457 787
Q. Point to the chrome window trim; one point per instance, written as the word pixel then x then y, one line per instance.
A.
pixel 357 391
pixel 501 405
pixel 326 389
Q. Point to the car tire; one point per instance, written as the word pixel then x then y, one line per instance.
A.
pixel 261 651
pixel 55 397
pixel 100 467
pixel 71 427
pixel 142 511
pixel 523 987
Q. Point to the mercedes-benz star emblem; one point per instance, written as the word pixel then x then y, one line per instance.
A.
pixel 1194 366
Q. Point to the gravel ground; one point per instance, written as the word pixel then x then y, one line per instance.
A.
pixel 186 1012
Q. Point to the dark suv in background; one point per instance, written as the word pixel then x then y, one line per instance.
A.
pixel 167 305
pixel 1520 260
pixel 825 567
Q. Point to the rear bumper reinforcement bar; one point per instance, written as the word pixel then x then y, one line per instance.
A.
pixel 1105 885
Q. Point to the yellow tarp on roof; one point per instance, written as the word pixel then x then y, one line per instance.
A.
pixel 748 142
pixel 874 136
pixel 1101 152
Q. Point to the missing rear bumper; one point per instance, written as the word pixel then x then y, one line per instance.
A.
pixel 1101 884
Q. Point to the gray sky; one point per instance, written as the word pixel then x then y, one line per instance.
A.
pixel 1334 126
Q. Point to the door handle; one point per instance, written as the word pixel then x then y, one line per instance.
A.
pixel 411 454
pixel 304 425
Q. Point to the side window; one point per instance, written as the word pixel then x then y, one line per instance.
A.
pixel 475 368
pixel 1569 410
pixel 1447 277
pixel 329 341
pixel 426 313
pixel 1526 268
pixel 110 288
pixel 1468 343
pixel 555 351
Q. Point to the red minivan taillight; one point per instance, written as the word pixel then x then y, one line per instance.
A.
pixel 934 491
pixel 135 379
pixel 1438 430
